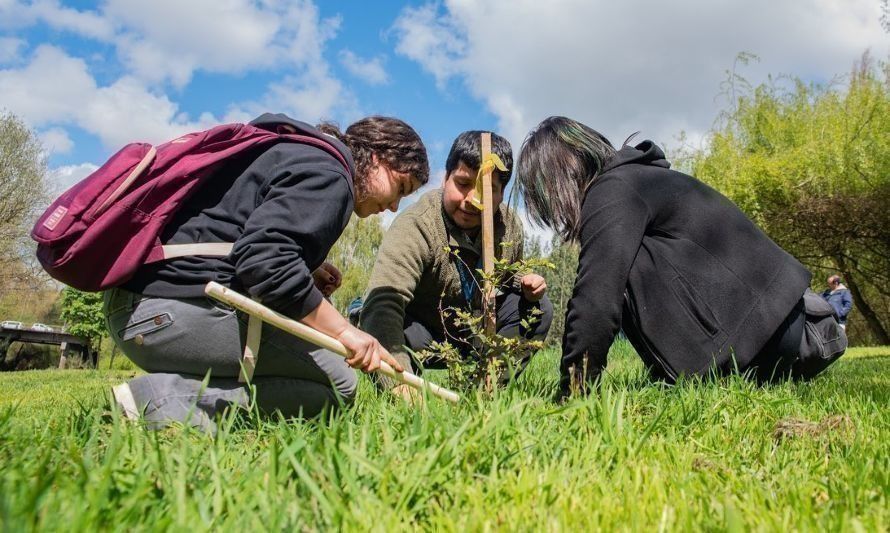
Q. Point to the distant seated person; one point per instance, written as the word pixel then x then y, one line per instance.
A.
pixel 838 295
pixel 428 259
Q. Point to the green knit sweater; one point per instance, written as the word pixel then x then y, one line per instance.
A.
pixel 416 274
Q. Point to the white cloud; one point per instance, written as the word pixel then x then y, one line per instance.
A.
pixel 371 71
pixel 313 97
pixel 50 88
pixel 168 40
pixel 84 23
pixel 62 178
pixel 14 14
pixel 433 40
pixel 620 68
pixel 18 14
pixel 56 141
pixel 55 88
pixel 126 111
pixel 10 49
pixel 312 93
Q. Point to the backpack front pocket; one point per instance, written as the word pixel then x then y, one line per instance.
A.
pixel 823 339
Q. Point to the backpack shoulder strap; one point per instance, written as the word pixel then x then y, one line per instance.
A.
pixel 170 251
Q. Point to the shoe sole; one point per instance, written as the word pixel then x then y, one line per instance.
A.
pixel 123 396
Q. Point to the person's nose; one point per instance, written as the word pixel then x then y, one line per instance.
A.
pixel 470 195
pixel 394 206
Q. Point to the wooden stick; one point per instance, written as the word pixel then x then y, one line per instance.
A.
pixel 489 317
pixel 239 301
pixel 251 348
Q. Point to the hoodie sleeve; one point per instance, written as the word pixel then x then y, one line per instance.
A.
pixel 304 207
pixel 613 220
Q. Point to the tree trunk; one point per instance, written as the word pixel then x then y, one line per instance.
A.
pixel 871 318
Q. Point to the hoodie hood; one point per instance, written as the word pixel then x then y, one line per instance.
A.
pixel 271 121
pixel 645 153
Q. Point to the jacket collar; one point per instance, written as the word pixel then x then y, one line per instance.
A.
pixel 840 287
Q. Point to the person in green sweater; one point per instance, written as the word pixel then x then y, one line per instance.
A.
pixel 428 259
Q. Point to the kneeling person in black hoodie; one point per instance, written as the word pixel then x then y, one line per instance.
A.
pixel 694 284
pixel 282 210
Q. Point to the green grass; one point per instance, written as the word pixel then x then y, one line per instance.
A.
pixel 714 455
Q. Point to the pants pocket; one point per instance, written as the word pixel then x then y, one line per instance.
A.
pixel 117 301
pixel 138 330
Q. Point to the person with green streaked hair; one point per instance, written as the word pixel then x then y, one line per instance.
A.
pixel 694 284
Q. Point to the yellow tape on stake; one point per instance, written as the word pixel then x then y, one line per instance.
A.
pixel 489 164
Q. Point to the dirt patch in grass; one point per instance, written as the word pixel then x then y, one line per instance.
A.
pixel 789 428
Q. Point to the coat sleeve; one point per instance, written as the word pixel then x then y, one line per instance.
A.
pixel 847 302
pixel 302 212
pixel 613 220
pixel 404 255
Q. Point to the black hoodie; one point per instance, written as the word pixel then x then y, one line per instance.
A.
pixel 283 208
pixel 691 280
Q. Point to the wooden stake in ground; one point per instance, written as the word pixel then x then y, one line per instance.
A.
pixel 489 313
pixel 243 303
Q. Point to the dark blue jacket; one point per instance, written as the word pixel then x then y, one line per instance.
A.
pixel 842 302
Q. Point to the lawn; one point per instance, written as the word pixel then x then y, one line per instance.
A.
pixel 714 455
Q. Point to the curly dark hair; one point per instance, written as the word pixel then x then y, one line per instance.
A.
pixel 395 143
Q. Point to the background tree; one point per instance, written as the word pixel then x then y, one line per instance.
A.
pixel 560 279
pixel 354 254
pixel 811 165
pixel 23 192
pixel 560 284
pixel 82 314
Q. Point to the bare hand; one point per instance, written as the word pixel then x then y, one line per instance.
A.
pixel 533 287
pixel 327 278
pixel 364 352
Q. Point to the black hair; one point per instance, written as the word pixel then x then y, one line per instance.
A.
pixel 467 147
pixel 558 161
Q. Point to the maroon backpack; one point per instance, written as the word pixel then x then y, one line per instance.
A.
pixel 100 231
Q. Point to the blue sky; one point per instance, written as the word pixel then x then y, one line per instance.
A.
pixel 91 76
pixel 363 33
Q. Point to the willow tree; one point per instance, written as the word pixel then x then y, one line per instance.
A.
pixel 811 165
pixel 23 192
